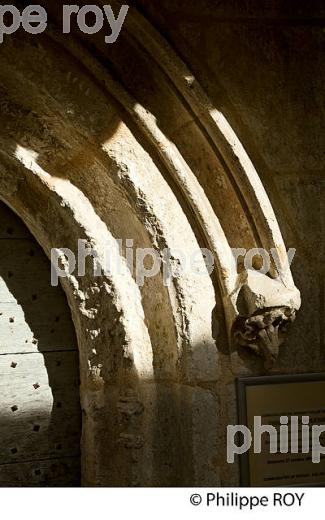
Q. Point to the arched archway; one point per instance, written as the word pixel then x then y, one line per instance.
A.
pixel 90 155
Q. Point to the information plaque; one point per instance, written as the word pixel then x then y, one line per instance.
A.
pixel 300 398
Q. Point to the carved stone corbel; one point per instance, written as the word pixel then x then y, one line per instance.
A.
pixel 266 309
pixel 265 332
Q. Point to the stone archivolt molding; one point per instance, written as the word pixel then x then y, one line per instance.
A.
pixel 105 165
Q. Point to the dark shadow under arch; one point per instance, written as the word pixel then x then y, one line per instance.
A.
pixel 39 404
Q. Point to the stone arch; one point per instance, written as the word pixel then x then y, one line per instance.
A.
pixel 90 155
pixel 249 221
